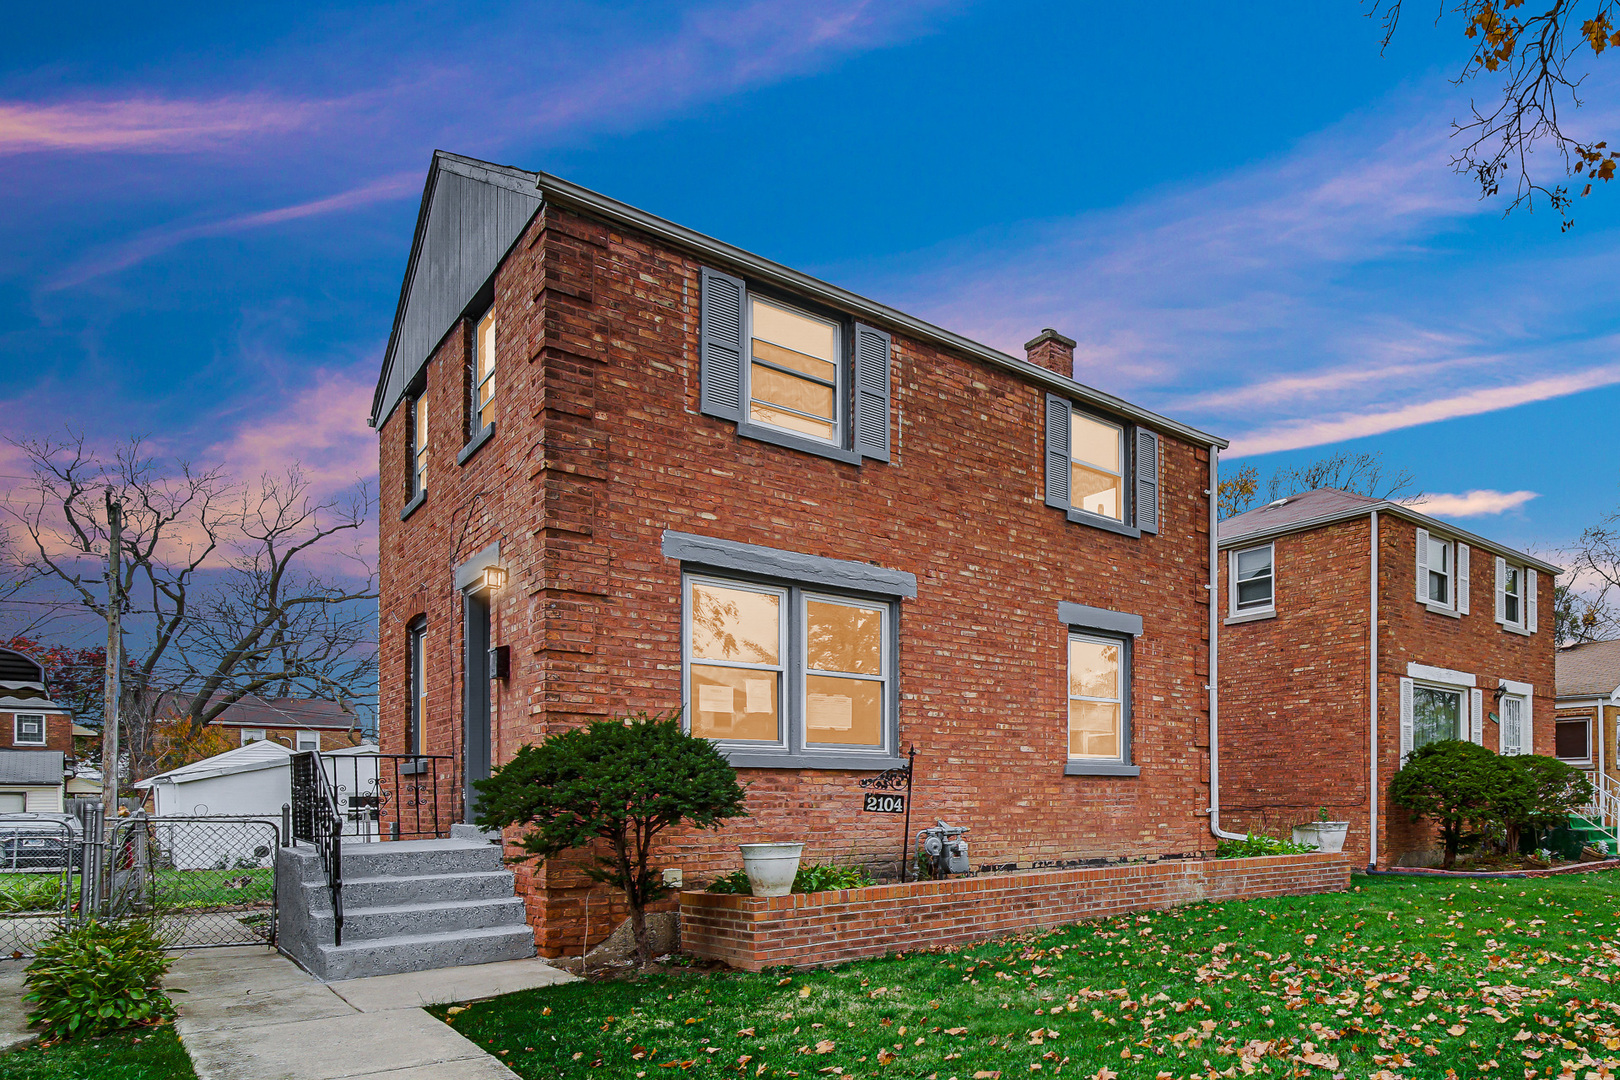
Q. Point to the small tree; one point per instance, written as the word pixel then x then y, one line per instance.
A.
pixel 623 781
pixel 1457 785
pixel 1544 793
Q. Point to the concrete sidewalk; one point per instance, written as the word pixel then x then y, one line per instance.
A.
pixel 14 1030
pixel 249 1013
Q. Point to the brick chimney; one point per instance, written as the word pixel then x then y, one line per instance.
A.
pixel 1053 351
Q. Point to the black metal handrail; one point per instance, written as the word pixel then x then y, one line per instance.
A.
pixel 317 821
pixel 394 796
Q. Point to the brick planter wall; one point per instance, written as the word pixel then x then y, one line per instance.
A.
pixel 814 929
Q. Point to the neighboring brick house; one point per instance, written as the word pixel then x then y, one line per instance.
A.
pixel 626 466
pixel 1588 718
pixel 1314 587
pixel 297 723
pixel 36 738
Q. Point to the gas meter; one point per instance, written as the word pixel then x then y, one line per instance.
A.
pixel 943 849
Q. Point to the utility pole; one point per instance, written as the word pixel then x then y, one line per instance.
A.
pixel 109 706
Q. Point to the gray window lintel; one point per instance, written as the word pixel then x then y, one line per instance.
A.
pixel 1093 618
pixel 789 565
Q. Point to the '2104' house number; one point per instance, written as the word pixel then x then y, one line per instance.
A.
pixel 878 802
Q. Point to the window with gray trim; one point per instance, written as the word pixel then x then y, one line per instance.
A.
pixel 481 375
pixel 418 417
pixel 29 729
pixel 416 638
pixel 779 670
pixel 1099 698
pixel 1101 471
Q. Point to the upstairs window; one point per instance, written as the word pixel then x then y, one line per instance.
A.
pixel 1516 597
pixel 1439 573
pixel 419 445
pixel 483 374
pixel 1251 576
pixel 1442 574
pixel 1101 472
pixel 1097 466
pixel 1512 596
pixel 794 375
pixel 309 740
pixel 252 735
pixel 30 729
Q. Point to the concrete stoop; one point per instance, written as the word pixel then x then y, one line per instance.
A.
pixel 411 905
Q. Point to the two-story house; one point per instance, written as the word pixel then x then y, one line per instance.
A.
pixel 626 466
pixel 36 739
pixel 1355 630
pixel 1587 733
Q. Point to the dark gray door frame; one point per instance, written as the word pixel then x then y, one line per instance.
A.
pixel 475 697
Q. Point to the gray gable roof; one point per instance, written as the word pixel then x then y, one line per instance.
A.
pixel 1591 669
pixel 31 768
pixel 472 213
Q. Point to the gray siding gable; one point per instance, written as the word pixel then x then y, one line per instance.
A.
pixel 472 213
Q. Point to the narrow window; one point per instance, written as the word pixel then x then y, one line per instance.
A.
pixel 419 444
pixel 1096 463
pixel 1513 725
pixel 1436 715
pixel 30 729
pixel 1439 573
pixel 1096 698
pixel 1513 596
pixel 793 377
pixel 483 381
pixel 1252 580
pixel 736 671
pixel 1571 735
pixel 417 638
pixel 309 740
pixel 844 673
pixel 251 735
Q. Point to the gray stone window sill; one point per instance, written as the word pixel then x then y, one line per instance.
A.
pixel 410 507
pixel 1449 612
pixel 747 759
pixel 762 433
pixel 1100 768
pixel 475 443
pixel 1097 521
pixel 1250 616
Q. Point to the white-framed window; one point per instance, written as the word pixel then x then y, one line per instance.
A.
pixel 483 373
pixel 1252 576
pixel 252 735
pixel 1099 698
pixel 1572 738
pixel 1516 597
pixel 1437 714
pixel 1513 718
pixel 777 669
pixel 1438 704
pixel 1442 574
pixel 795 374
pixel 308 740
pixel 29 729
pixel 419 444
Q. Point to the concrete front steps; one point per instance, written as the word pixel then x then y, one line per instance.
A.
pixel 410 905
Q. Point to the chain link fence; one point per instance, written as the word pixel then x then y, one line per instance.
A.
pixel 201 881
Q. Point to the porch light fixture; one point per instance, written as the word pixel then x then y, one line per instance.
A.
pixel 495 578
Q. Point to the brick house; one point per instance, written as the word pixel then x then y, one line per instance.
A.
pixel 36 738
pixel 1588 718
pixel 1354 630
pixel 296 723
pixel 627 466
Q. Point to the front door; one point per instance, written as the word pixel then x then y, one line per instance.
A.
pixel 475 711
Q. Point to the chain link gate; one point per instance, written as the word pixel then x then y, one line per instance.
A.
pixel 201 881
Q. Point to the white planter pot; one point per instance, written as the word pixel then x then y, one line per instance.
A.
pixel 771 867
pixel 1326 835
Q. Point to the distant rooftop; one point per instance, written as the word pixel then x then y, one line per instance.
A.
pixel 1591 669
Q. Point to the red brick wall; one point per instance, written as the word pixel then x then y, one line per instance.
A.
pixel 1293 720
pixel 813 929
pixel 599 448
pixel 58 732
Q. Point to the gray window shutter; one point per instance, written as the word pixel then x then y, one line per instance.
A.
pixel 1529 601
pixel 872 351
pixel 1423 566
pixel 1476 716
pixel 1057 452
pixel 1462 579
pixel 1147 480
pixel 1501 590
pixel 720 345
pixel 1406 719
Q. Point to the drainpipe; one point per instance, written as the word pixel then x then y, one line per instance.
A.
pixel 1215 608
pixel 1372 707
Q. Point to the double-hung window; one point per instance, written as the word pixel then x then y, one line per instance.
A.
pixel 1516 597
pixel 1100 471
pixel 1252 575
pixel 29 729
pixel 1572 738
pixel 252 735
pixel 785 374
pixel 1097 698
pixel 791 671
pixel 416 639
pixel 483 374
pixel 308 740
pixel 419 445
pixel 1442 574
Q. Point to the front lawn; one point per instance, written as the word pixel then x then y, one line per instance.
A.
pixel 143 1054
pixel 1400 977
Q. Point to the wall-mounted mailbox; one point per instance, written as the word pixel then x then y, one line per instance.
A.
pixel 500 662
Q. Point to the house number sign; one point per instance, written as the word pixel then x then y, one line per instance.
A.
pixel 889 793
pixel 881 803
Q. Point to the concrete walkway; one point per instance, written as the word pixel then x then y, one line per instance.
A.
pixel 14 1030
pixel 249 1013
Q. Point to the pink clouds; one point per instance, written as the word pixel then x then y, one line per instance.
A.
pixel 322 427
pixel 1476 503
pixel 147 124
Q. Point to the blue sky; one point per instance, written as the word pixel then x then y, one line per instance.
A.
pixel 1243 213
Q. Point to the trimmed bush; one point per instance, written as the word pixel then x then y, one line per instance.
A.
pixel 97 978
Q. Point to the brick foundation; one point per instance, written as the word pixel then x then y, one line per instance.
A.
pixel 815 929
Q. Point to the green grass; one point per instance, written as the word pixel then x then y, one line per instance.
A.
pixel 175 890
pixel 1400 977
pixel 145 1054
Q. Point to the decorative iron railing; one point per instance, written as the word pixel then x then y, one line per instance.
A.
pixel 1605 807
pixel 394 796
pixel 317 820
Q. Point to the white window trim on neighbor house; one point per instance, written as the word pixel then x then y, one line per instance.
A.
pixel 1518 696
pixel 1525 623
pixel 1454 556
pixel 17 729
pixel 1472 712
pixel 1585 762
pixel 307 740
pixel 252 735
pixel 1235 612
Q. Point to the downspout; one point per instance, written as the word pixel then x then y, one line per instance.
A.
pixel 1215 608
pixel 1372 707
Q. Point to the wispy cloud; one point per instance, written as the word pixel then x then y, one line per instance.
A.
pixel 1471 503
pixel 1299 434
pixel 142 123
